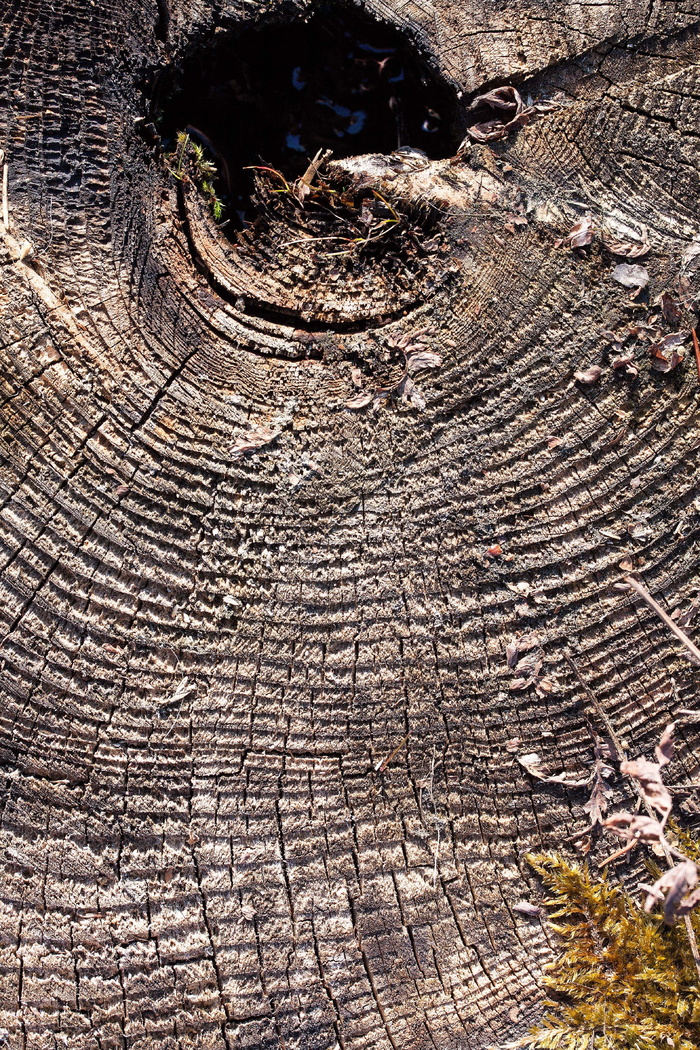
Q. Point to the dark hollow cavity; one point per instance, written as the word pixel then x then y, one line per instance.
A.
pixel 276 96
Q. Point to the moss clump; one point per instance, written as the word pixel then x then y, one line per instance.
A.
pixel 187 162
pixel 623 980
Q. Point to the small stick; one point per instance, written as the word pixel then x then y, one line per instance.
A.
pixel 696 347
pixel 680 635
pixel 381 766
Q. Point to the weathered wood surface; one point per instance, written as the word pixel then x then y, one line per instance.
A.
pixel 205 659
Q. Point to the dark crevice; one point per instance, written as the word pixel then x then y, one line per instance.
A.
pixel 162 22
pixel 277 95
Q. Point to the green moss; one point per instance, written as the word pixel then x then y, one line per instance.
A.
pixel 188 162
pixel 623 980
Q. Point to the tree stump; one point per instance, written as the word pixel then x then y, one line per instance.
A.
pixel 280 524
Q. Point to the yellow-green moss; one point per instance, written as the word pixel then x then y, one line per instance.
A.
pixel 623 980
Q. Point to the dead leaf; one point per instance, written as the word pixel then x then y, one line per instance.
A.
pixel 525 908
pixel 531 764
pixel 554 442
pixel 248 911
pixel 671 888
pixel 683 619
pixel 503 98
pixel 590 375
pixel 409 393
pixel 520 683
pixel 360 401
pixel 625 361
pixel 529 665
pixel 670 308
pixel 632 249
pixel 418 361
pixel 512 654
pixel 648 776
pixel 664 362
pixel 634 828
pixel 631 275
pixel 256 437
pixel 664 748
pixel 581 233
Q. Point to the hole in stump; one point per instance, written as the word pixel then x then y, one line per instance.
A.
pixel 277 95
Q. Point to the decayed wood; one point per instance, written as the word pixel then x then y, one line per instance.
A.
pixel 260 750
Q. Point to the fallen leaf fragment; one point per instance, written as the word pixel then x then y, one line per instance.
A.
pixel 525 908
pixel 256 437
pixel 670 308
pixel 581 233
pixel 648 776
pixel 671 888
pixel 625 361
pixel 665 746
pixel 590 375
pixel 631 275
pixel 419 360
pixel 634 828
pixel 360 401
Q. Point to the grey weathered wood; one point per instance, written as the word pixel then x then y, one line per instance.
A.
pixel 205 660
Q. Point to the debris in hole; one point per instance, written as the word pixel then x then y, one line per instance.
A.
pixel 279 95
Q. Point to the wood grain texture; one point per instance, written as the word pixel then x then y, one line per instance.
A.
pixel 205 659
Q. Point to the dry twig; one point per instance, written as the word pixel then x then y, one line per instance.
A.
pixel 680 635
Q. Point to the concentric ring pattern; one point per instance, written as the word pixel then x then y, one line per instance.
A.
pixel 209 654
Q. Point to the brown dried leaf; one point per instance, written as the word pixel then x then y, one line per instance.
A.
pixel 670 308
pixel 648 776
pixel 581 233
pixel 512 654
pixel 409 393
pixel 665 746
pixel 254 438
pixel 531 763
pixel 419 360
pixel 637 828
pixel 686 617
pixel 673 885
pixel 529 665
pixel 591 375
pixel 360 401
pixel 631 249
pixel 664 362
pixel 520 683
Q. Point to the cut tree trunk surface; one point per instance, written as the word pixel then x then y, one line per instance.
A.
pixel 267 775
